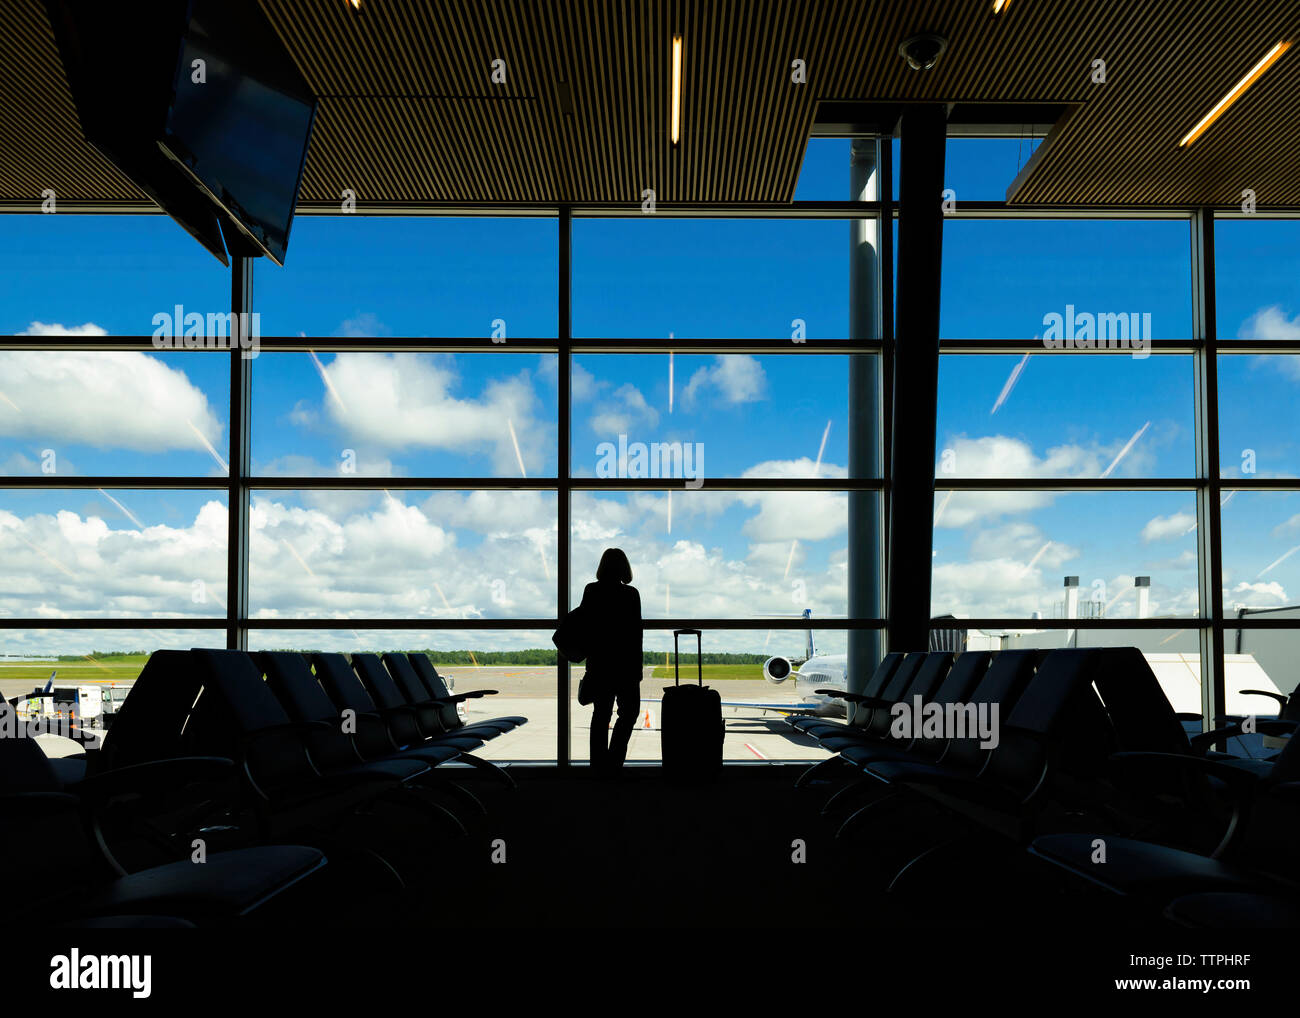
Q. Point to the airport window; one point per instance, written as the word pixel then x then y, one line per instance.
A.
pixel 719 555
pixel 1111 416
pixel 375 413
pixel 711 405
pixel 1004 554
pixel 113 553
pixel 1074 281
pixel 1256 393
pixel 364 276
pixel 658 277
pixel 1107 492
pixel 74 275
pixel 1257 271
pixel 170 413
pixel 405 553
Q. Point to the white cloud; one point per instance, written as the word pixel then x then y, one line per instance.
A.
pixel 1167 528
pixel 108 399
pixel 623 413
pixel 395 401
pixel 1259 595
pixel 364 325
pixel 737 378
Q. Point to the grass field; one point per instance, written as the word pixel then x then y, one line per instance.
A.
pixel 118 669
pixel 711 672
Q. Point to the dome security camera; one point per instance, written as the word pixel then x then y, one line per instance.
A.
pixel 922 51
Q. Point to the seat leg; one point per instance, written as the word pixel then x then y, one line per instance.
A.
pixel 493 769
pixel 846 791
pixel 435 780
pixel 440 814
pixel 889 798
pixel 916 862
pixel 811 772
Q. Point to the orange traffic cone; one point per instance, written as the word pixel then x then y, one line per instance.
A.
pixel 647 723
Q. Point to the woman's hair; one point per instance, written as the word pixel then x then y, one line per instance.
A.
pixel 614 566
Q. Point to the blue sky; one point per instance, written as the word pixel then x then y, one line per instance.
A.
pixel 492 554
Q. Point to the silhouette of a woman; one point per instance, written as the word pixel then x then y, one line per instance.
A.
pixel 613 610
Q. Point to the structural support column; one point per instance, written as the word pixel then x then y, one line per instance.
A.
pixel 241 374
pixel 1209 492
pixel 916 376
pixel 564 333
pixel 866 443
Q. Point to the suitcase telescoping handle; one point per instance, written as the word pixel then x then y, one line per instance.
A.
pixel 699 662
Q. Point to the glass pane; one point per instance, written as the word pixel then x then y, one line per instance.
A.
pixel 653 277
pixel 411 414
pixel 1011 554
pixel 733 415
pixel 414 276
pixel 102 275
pixel 1257 278
pixel 402 554
pixel 518 663
pixel 982 169
pixel 113 554
pixel 1112 416
pixel 733 664
pixel 1261 550
pixel 1073 281
pixel 709 554
pixel 1256 394
pixel 170 413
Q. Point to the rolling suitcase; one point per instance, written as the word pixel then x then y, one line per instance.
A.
pixel 691 722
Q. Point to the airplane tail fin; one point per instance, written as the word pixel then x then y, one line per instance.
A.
pixel 808 647
pixel 50 683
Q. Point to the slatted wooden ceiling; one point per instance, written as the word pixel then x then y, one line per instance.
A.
pixel 409 112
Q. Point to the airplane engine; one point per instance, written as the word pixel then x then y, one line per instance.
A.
pixel 776 670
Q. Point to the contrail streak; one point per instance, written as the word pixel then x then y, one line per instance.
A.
pixel 127 512
pixel 1278 561
pixel 518 455
pixel 1010 384
pixel 208 445
pixel 320 369
pixel 1125 451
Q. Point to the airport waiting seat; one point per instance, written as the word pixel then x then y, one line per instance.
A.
pixel 426 677
pixel 346 688
pixel 924 682
pixel 50 838
pixel 1002 682
pixel 855 716
pixel 237 715
pixel 957 687
pixel 1052 747
pixel 345 684
pixel 290 678
pixel 1256 854
pixel 1220 910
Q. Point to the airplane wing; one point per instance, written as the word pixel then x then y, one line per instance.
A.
pixel 784 708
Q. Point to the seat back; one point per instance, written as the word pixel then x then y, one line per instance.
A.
pixel 956 687
pixel 416 693
pixel 234 706
pixel 380 685
pixel 436 689
pixel 347 692
pixel 24 767
pixel 1002 684
pixel 860 714
pixel 289 677
pixel 148 725
pixel 1060 716
pixel 933 668
pixel 892 689
pixel 341 684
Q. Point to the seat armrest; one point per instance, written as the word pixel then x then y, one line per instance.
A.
pixel 1237 780
pixel 1279 697
pixel 1263 726
pixel 473 694
pixel 153 777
